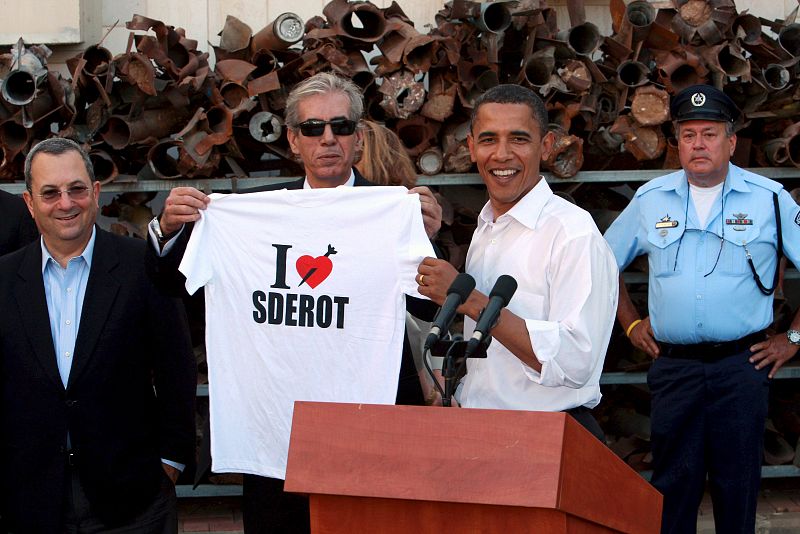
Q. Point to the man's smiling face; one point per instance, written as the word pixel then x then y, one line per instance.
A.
pixel 507 145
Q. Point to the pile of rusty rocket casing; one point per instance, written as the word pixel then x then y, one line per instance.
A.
pixel 159 110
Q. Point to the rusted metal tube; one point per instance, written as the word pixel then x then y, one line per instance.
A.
pixel 362 21
pixel 538 68
pixel 163 159
pixel 233 94
pixel 402 94
pixel 431 161
pixel 776 76
pixel 576 76
pixel 583 39
pixel 633 73
pixel 105 169
pixel 776 151
pixel 566 157
pixel 280 34
pixel 417 134
pixel 19 87
pixel 120 132
pixel 265 127
pixel 640 15
pixel 732 62
pixel 97 60
pixel 494 17
pixel 650 106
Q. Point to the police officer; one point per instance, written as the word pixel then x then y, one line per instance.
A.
pixel 711 235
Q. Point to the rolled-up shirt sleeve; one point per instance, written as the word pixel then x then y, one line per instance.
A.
pixel 571 343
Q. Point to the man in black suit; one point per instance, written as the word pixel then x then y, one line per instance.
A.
pixel 322 114
pixel 97 376
pixel 16 226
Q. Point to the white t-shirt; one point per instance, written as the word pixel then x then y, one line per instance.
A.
pixel 305 300
pixel 703 199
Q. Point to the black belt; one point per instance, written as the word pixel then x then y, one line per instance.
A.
pixel 710 351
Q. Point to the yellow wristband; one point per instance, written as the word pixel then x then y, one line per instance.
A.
pixel 631 327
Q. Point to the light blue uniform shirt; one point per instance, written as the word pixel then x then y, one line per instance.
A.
pixel 686 304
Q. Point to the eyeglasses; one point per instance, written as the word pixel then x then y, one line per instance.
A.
pixel 76 192
pixel 316 127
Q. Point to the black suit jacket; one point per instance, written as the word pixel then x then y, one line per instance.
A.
pixel 130 397
pixel 17 228
pixel 164 271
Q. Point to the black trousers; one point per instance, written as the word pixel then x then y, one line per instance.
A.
pixel 583 415
pixel 159 517
pixel 707 420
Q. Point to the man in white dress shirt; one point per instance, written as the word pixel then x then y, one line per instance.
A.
pixel 550 341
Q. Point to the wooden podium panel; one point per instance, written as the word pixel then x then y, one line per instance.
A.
pixel 342 514
pixel 376 463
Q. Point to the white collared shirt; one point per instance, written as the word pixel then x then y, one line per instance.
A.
pixel 567 295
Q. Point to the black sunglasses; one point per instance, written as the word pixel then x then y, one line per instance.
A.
pixel 316 127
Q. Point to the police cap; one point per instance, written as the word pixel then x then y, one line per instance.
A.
pixel 703 102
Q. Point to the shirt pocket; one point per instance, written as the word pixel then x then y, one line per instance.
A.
pixel 663 251
pixel 733 257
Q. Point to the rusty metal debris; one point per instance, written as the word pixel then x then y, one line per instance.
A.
pixel 161 110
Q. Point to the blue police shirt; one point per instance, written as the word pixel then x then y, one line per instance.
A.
pixel 701 287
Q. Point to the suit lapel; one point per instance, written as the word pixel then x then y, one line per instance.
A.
pixel 360 180
pixel 32 305
pixel 297 184
pixel 101 292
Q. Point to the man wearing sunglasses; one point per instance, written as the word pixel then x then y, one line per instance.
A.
pixel 713 235
pixel 97 372
pixel 322 115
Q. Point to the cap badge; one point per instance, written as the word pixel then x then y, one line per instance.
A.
pixel 698 99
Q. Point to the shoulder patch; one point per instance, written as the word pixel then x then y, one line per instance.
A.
pixel 797 219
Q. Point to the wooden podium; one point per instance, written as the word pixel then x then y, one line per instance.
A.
pixel 410 469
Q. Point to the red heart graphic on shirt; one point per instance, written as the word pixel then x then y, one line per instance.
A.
pixel 313 271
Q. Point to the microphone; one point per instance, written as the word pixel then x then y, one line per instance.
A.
pixel 499 297
pixel 458 292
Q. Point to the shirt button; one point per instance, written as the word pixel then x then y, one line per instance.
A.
pixel 69 290
pixel 699 325
pixel 699 297
pixel 68 321
pixel 67 354
pixel 493 241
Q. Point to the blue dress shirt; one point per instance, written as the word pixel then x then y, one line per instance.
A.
pixel 64 289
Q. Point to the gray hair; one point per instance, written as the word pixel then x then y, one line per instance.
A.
pixel 320 84
pixel 56 146
pixel 513 94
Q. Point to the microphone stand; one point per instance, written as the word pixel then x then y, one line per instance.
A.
pixel 454 363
